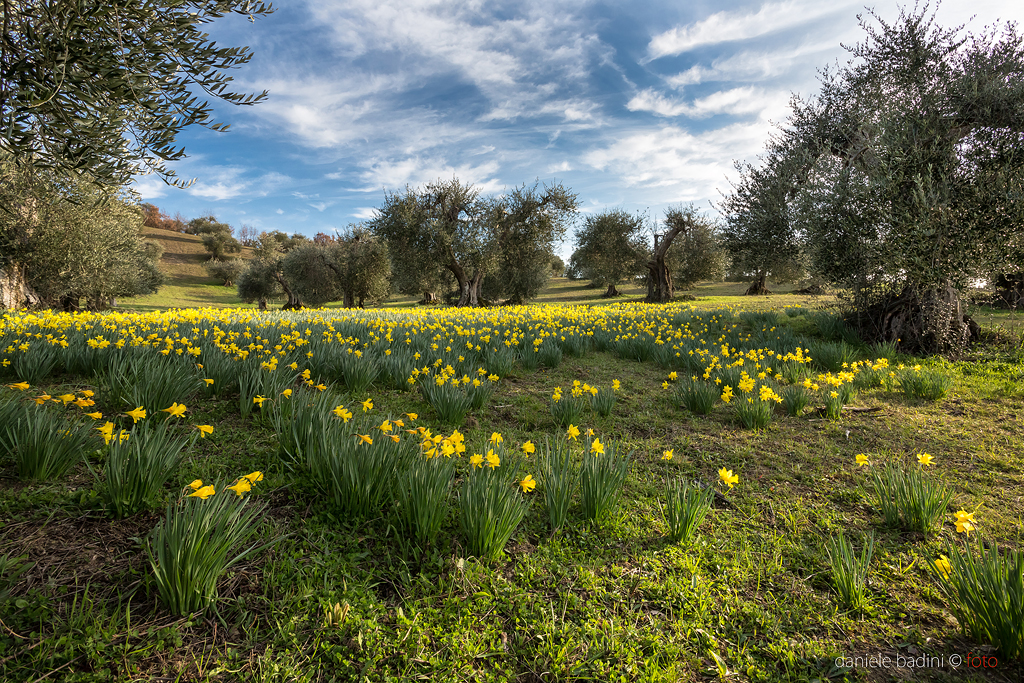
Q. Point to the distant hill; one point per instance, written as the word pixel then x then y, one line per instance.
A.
pixel 187 285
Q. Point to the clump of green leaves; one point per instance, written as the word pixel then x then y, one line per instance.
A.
pixel 196 542
pixel 491 506
pixel 924 384
pixel 908 498
pixel 795 400
pixel 602 475
pixel 985 590
pixel 603 401
pixel 697 396
pixel 421 494
pixel 45 444
pixel 560 477
pixel 685 508
pixel 850 570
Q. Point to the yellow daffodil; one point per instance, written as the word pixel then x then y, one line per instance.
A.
pixel 96 416
pixel 925 459
pixel 365 438
pixel 254 477
pixel 287 393
pixel 66 398
pixel 321 387
pixel 242 486
pixel 20 386
pixel 492 459
pixel 203 493
pixel 412 416
pixel 258 400
pixel 495 439
pixel 395 437
pixel 137 414
pixel 344 414
pixel 107 430
pixel 616 385
pixel 667 455
pixel 367 405
pixel 529 448
pixel 88 393
pixel 385 426
pixel 196 484
pixel 664 385
pixel 42 398
pixel 673 376
pixel 862 460
pixel 528 483
pixel 965 522
pixel 208 381
pixel 476 460
pixel 204 430
pixel 943 565
pixel 572 432
pixel 176 410
pixel 728 478
pixel 596 447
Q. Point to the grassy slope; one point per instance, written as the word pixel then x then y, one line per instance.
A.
pixel 595 602
pixel 188 285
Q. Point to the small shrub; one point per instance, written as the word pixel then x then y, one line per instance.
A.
pixel 831 356
pixel 849 570
pixel 529 357
pixel 685 508
pixel 147 379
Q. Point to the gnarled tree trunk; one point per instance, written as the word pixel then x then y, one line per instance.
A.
pixel 611 291
pixel 659 279
pixel 930 320
pixel 759 286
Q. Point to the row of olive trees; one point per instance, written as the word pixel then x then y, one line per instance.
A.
pixel 448 236
pixel 613 247
pixel 353 267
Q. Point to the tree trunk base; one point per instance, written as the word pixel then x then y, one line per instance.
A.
pixel 757 288
pixel 932 321
pixel 611 292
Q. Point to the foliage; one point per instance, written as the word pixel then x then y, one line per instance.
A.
pixel 602 475
pixel 610 247
pixel 685 508
pixel 354 267
pixel 105 87
pixel 226 271
pixel 74 241
pixel 985 589
pixel 560 475
pixel 908 498
pixel 924 384
pixel 138 466
pixel 421 495
pixel 44 444
pixel 849 570
pixel 697 396
pixel 697 256
pixel 491 506
pixel 446 229
pixel 196 542
pixel 901 177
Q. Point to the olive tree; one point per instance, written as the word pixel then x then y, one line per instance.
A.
pixel 610 247
pixel 105 86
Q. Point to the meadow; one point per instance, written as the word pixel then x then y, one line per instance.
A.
pixel 559 492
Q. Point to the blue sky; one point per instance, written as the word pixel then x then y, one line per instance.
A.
pixel 638 108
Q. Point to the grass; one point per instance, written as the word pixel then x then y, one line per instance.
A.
pixel 606 600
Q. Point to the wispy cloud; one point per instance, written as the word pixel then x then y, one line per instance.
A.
pixel 737 102
pixel 741 25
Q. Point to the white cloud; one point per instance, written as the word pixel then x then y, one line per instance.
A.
pixel 228 182
pixel 150 187
pixel 683 166
pixel 395 174
pixel 320 206
pixel 731 26
pixel 737 102
pixel 364 213
pixel 758 65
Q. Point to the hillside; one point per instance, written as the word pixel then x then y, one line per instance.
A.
pixel 187 285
